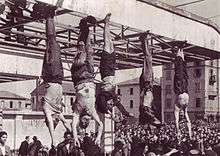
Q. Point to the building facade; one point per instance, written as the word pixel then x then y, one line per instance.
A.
pixel 68 97
pixel 13 102
pixel 129 92
pixel 203 89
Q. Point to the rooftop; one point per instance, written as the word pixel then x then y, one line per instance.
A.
pixel 10 95
pixel 68 88
pixel 136 81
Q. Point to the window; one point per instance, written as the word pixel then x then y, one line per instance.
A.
pixel 119 91
pixel 212 97
pixel 168 89
pixel 211 62
pixel 168 75
pixel 2 104
pixel 197 63
pixel 168 103
pixel 11 104
pixel 197 87
pixel 198 102
pixel 71 101
pixel 168 65
pixel 212 78
pixel 131 91
pixel 211 71
pixel 32 99
pixel 168 116
pixel 27 105
pixel 131 103
pixel 19 104
pixel 197 73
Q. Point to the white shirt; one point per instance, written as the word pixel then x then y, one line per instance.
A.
pixel 68 147
pixel 3 150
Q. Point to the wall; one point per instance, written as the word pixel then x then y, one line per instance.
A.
pixel 207 106
pixel 126 97
pixel 37 106
pixel 17 104
pixel 19 124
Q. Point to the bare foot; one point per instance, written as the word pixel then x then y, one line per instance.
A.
pixel 107 18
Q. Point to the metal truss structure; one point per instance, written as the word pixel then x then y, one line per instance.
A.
pixel 126 41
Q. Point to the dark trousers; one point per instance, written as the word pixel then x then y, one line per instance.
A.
pixel 52 65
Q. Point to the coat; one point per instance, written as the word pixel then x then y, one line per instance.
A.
pixel 23 150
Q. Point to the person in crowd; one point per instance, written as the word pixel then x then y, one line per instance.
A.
pixel 4 149
pixel 147 115
pixel 89 147
pixel 83 75
pixel 67 147
pixel 52 75
pixel 118 148
pixel 34 147
pixel 181 88
pixel 107 97
pixel 23 149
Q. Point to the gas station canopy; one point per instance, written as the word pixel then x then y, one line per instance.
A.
pixel 23 35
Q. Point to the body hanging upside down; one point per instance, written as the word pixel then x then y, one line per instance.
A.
pixel 180 89
pixel 83 75
pixel 107 97
pixel 147 116
pixel 52 74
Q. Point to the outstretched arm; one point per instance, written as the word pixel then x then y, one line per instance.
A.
pixel 176 115
pixel 100 127
pixel 75 121
pixel 188 123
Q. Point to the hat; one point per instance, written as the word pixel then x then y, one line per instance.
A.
pixel 34 138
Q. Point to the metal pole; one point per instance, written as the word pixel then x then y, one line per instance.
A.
pixel 1 115
pixel 218 86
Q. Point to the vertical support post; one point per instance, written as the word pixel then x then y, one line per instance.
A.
pixel 69 37
pixel 122 32
pixel 94 37
pixel 217 74
pixel 1 115
pixel 37 95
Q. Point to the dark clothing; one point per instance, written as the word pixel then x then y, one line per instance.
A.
pixel 34 148
pixel 72 151
pixel 82 73
pixel 90 148
pixel 116 152
pixel 180 77
pixel 23 150
pixel 146 78
pixel 103 106
pixel 52 65
pixel 107 64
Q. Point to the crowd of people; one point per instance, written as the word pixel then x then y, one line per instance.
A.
pixel 144 140
pixel 65 148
